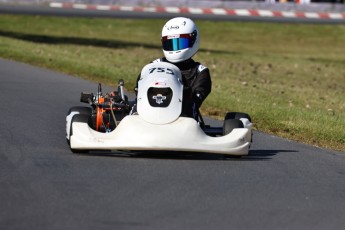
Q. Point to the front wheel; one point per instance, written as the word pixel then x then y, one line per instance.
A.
pixel 244 118
pixel 237 115
pixel 231 124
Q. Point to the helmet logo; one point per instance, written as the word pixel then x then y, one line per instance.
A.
pixel 159 98
pixel 173 28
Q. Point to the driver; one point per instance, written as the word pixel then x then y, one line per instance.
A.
pixel 180 41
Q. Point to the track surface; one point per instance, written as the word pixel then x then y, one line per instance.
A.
pixel 280 185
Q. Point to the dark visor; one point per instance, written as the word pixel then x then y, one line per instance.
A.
pixel 179 42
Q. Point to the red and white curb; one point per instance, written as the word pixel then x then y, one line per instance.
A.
pixel 209 11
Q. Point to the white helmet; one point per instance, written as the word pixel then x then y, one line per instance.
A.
pixel 180 39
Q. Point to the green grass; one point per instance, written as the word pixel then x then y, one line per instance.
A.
pixel 289 77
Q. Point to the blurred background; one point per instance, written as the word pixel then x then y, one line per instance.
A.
pixel 286 5
pixel 179 2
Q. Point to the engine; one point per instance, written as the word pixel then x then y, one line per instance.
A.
pixel 107 110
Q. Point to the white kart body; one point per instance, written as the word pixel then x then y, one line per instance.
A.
pixel 158 125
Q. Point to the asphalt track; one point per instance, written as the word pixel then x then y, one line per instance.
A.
pixel 280 185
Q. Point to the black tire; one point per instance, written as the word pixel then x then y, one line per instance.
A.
pixel 231 124
pixel 80 109
pixel 77 117
pixel 79 151
pixel 237 115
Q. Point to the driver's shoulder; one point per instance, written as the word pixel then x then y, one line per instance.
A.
pixel 159 60
pixel 200 67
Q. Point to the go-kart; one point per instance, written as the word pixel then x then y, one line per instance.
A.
pixel 155 122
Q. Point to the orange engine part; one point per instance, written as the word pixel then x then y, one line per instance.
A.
pixel 99 115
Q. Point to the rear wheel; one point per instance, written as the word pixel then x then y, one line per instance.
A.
pixel 80 110
pixel 72 112
pixel 79 151
pixel 76 117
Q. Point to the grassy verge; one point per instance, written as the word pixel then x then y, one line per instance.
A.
pixel 290 78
